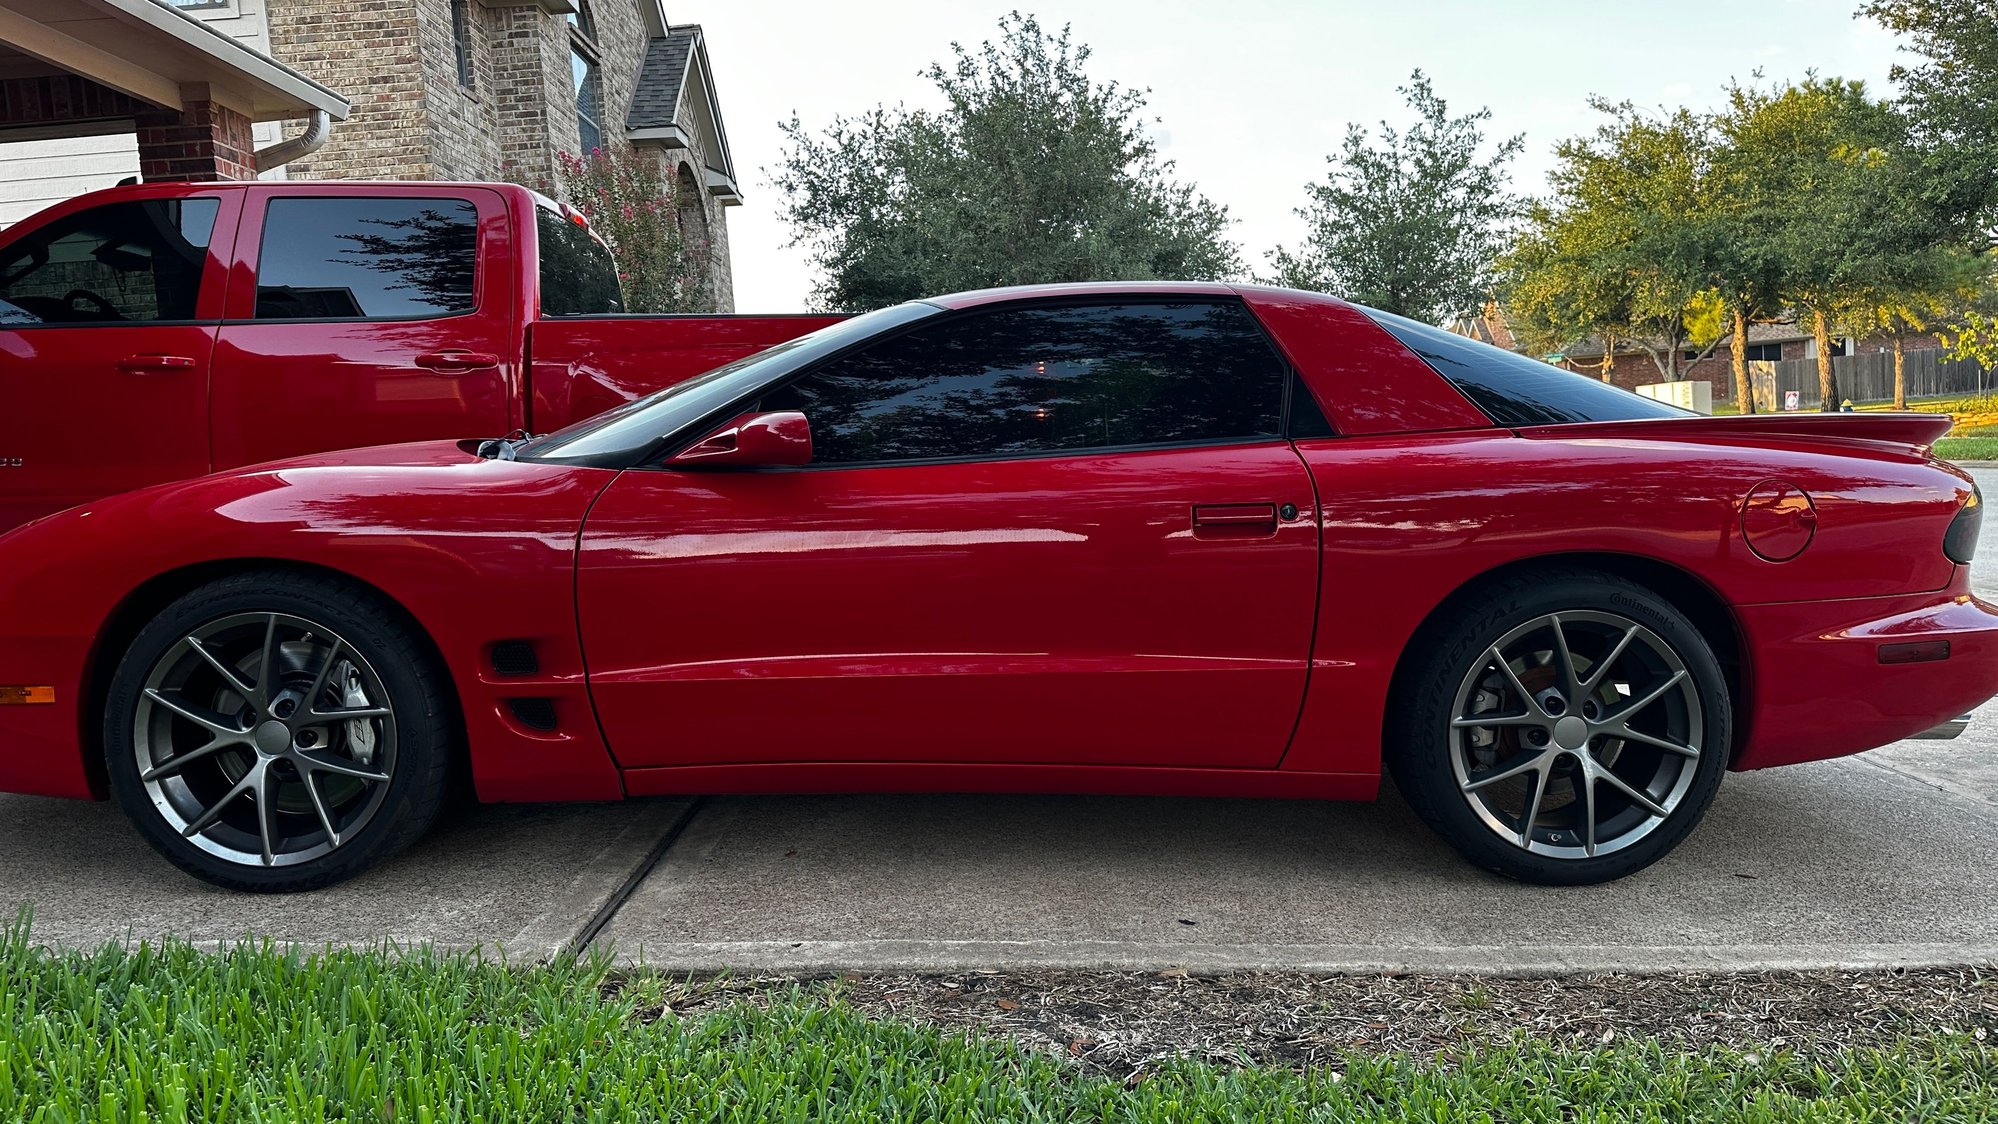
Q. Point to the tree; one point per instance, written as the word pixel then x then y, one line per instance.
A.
pixel 635 209
pixel 1920 290
pixel 1621 250
pixel 1414 224
pixel 1951 100
pixel 1832 184
pixel 1031 172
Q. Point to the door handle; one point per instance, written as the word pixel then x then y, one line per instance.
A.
pixel 154 364
pixel 1241 517
pixel 456 360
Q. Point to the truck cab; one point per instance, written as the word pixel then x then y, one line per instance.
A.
pixel 162 331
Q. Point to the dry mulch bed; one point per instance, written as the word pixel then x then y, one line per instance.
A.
pixel 1121 1022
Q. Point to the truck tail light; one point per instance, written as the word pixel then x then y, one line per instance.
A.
pixel 1960 541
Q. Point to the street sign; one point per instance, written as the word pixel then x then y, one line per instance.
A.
pixel 1793 399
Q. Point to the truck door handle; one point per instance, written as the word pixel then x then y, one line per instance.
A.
pixel 154 364
pixel 1239 518
pixel 456 360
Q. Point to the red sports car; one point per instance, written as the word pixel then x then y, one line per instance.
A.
pixel 1138 538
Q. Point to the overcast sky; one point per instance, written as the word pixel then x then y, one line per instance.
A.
pixel 1251 95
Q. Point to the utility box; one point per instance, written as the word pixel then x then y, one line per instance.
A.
pixel 1697 396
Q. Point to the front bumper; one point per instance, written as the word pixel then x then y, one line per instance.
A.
pixel 1817 687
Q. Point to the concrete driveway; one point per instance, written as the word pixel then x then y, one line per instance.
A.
pixel 1890 858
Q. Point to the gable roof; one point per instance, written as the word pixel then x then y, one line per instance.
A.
pixel 674 104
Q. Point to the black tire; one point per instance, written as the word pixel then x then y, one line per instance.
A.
pixel 356 632
pixel 1450 672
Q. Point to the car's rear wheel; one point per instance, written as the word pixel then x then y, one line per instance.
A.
pixel 1566 728
pixel 279 731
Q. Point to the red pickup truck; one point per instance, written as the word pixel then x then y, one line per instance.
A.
pixel 162 331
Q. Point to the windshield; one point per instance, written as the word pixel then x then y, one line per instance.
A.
pixel 630 429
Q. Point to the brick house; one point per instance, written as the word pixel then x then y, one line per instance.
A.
pixel 1632 367
pixel 466 90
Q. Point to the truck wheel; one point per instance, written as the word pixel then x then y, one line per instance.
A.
pixel 278 732
pixel 1566 728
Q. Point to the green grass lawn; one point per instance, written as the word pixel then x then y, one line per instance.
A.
pixel 173 1034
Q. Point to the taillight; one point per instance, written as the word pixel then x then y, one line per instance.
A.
pixel 1960 541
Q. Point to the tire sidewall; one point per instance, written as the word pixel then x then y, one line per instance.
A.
pixel 1419 743
pixel 422 726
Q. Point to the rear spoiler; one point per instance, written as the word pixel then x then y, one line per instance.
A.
pixel 1910 433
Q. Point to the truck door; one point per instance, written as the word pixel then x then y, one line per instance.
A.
pixel 366 319
pixel 107 319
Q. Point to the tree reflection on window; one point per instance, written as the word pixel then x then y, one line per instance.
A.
pixel 1048 379
pixel 388 258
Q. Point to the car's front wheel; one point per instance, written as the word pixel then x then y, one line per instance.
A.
pixel 1567 728
pixel 279 731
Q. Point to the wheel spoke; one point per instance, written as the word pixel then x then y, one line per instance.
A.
pixel 206 719
pixel 1603 665
pixel 319 806
pixel 1637 796
pixel 1625 732
pixel 1624 713
pixel 315 763
pixel 1588 787
pixel 267 664
pixel 1496 720
pixel 1532 807
pixel 201 822
pixel 340 712
pixel 182 761
pixel 1506 773
pixel 229 674
pixel 325 672
pixel 1525 695
pixel 266 808
pixel 1571 679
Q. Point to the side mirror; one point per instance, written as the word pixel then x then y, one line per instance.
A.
pixel 775 440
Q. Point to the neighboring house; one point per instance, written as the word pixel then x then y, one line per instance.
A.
pixel 461 90
pixel 1632 366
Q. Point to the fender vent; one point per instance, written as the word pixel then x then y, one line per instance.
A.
pixel 515 658
pixel 535 714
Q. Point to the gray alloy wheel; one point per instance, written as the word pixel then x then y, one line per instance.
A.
pixel 1577 735
pixel 265 739
pixel 280 731
pixel 1563 725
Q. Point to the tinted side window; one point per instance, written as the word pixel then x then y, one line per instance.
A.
pixel 136 261
pixel 1513 389
pixel 578 277
pixel 382 258
pixel 1033 380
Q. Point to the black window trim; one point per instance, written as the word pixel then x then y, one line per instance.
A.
pixel 478 272
pixel 664 449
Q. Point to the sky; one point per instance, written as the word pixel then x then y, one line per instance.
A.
pixel 1252 95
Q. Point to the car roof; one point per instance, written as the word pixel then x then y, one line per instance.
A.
pixel 975 297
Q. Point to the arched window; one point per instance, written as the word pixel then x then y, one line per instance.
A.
pixel 693 217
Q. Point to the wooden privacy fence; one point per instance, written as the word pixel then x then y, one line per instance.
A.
pixel 1870 377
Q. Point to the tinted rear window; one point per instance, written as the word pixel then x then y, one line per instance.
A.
pixel 1515 390
pixel 578 277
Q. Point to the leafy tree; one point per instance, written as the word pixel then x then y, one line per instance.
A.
pixel 1920 290
pixel 1622 249
pixel 1951 99
pixel 1413 224
pixel 636 210
pixel 1031 172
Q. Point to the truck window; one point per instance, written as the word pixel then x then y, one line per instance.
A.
pixel 578 277
pixel 360 258
pixel 138 261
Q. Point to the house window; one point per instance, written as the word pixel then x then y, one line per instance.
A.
pixel 583 20
pixel 461 40
pixel 200 5
pixel 1763 352
pixel 589 102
